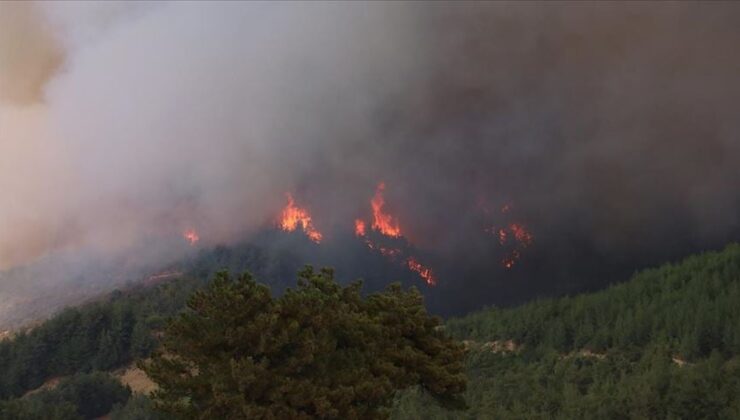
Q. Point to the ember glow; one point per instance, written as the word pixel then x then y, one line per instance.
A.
pixel 293 217
pixel 382 233
pixel 382 221
pixel 425 272
pixel 521 235
pixel 513 237
pixel 386 226
pixel 510 259
pixel 502 236
pixel 359 227
pixel 191 236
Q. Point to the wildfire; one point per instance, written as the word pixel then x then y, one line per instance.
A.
pixel 502 236
pixel 359 227
pixel 293 216
pixel 191 236
pixel 425 272
pixel 522 236
pixel 387 226
pixel 381 221
pixel 514 236
pixel 510 259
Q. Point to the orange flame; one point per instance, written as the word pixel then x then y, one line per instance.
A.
pixel 388 226
pixel 425 272
pixel 383 222
pixel 521 234
pixel 515 237
pixel 502 236
pixel 359 227
pixel 191 236
pixel 510 259
pixel 293 216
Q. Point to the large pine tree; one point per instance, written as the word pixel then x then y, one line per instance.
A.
pixel 318 351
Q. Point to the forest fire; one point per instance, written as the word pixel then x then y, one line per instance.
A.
pixel 425 272
pixel 383 222
pixel 387 226
pixel 359 227
pixel 515 237
pixel 293 216
pixel 382 233
pixel 191 236
pixel 509 260
pixel 521 235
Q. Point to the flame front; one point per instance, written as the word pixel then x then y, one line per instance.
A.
pixel 359 227
pixel 521 239
pixel 381 221
pixel 423 271
pixel 191 236
pixel 293 216
pixel 385 225
pixel 514 237
pixel 522 236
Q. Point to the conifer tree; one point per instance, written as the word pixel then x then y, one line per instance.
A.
pixel 319 351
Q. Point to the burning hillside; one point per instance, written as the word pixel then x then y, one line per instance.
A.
pixel 383 234
pixel 191 235
pixel 384 227
pixel 294 217
pixel 602 139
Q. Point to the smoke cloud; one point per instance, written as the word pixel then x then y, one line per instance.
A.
pixel 609 128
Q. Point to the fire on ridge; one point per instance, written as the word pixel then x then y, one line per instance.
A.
pixel 388 226
pixel 191 235
pixel 383 222
pixel 514 237
pixel 293 217
pixel 383 234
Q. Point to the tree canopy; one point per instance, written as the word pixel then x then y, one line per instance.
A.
pixel 320 350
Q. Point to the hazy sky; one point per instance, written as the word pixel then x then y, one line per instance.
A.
pixel 611 127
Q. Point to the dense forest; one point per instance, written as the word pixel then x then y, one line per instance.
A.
pixel 120 328
pixel 665 344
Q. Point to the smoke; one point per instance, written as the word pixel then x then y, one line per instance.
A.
pixel 611 128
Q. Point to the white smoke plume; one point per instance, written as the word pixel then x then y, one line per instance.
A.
pixel 121 120
pixel 611 127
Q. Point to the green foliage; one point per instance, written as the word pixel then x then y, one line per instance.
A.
pixel 35 409
pixel 317 351
pixel 81 396
pixel 138 407
pixel 661 346
pixel 690 307
pixel 118 329
pixel 618 353
pixel 99 336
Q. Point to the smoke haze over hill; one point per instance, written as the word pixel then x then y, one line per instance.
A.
pixel 610 129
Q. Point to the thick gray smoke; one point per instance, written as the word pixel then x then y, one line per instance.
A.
pixel 610 128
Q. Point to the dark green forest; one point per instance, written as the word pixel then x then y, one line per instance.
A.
pixel 121 327
pixel 665 344
pixel 319 350
pixel 80 396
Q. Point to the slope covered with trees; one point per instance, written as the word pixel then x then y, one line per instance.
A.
pixel 80 396
pixel 120 327
pixel 666 344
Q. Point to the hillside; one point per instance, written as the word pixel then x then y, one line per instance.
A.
pixel 665 344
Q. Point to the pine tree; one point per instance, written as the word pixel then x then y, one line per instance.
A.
pixel 318 351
